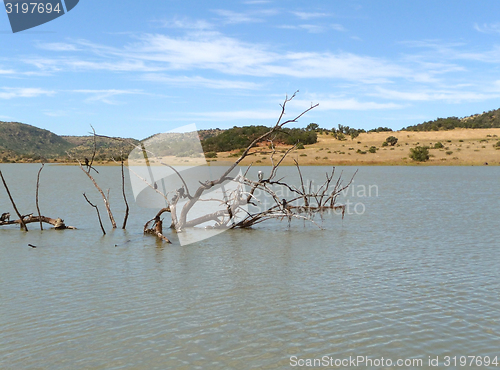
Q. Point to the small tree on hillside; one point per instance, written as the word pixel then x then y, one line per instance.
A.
pixel 392 140
pixel 312 127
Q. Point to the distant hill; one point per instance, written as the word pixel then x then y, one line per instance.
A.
pixel 26 140
pixel 489 119
pixel 106 149
pixel 20 142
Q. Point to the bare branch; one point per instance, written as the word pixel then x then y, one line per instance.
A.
pixel 98 214
pixel 127 209
pixel 37 186
pixel 23 224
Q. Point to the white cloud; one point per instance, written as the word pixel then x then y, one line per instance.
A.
pixel 488 28
pixel 56 113
pixel 58 46
pixel 254 2
pixel 59 64
pixel 309 15
pixel 452 95
pixel 209 50
pixel 441 51
pixel 166 58
pixel 314 28
pixel 23 92
pixel 232 17
pixel 327 104
pixel 198 81
pixel 185 23
pixel 235 115
pixel 213 51
pixel 106 96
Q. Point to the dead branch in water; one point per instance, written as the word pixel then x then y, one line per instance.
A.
pixel 21 221
pixel 37 186
pixel 98 214
pixel 127 209
pixel 157 226
pixel 58 223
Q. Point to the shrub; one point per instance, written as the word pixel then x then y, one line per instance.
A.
pixel 497 144
pixel 385 143
pixel 449 152
pixel 438 145
pixel 210 155
pixel 300 146
pixel 392 140
pixel 419 153
pixel 373 149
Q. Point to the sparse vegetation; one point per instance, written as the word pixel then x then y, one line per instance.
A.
pixel 241 137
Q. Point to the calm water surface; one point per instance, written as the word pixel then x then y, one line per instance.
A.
pixel 412 272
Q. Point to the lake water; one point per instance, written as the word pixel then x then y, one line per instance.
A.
pixel 413 272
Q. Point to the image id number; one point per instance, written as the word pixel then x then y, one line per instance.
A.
pixel 32 8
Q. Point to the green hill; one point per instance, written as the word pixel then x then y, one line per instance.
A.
pixel 20 142
pixel 29 141
pixel 489 119
pixel 106 149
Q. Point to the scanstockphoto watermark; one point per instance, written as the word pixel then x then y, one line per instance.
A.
pixel 26 14
pixel 355 361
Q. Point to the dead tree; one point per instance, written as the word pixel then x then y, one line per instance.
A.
pixel 237 205
pixel 104 197
pixel 89 165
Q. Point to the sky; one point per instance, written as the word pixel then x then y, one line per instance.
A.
pixel 136 68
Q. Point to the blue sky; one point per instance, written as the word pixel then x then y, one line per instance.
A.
pixel 135 68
